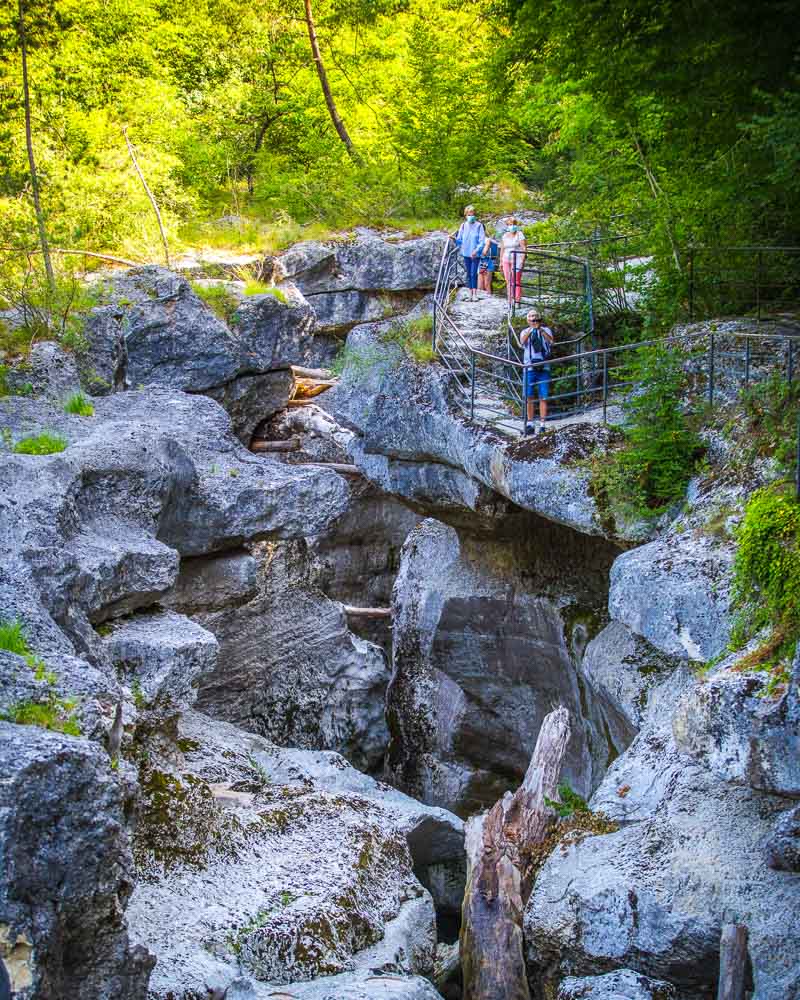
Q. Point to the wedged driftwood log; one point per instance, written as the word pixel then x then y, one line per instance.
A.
pixel 262 444
pixel 306 388
pixel 351 610
pixel 300 372
pixel 498 845
pixel 732 962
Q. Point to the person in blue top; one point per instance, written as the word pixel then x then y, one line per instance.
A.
pixel 471 237
pixel 537 345
pixel 487 262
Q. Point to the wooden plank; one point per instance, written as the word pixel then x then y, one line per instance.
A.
pixel 262 444
pixel 355 612
pixel 498 880
pixel 321 373
pixel 732 962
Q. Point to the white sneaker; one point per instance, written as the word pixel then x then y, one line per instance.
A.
pixel 542 428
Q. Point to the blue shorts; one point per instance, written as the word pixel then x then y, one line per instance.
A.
pixel 487 263
pixel 537 377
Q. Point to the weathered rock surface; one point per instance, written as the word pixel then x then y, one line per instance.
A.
pixel 414 442
pixel 622 985
pixel 483 649
pixel 364 985
pixel 290 669
pixel 675 592
pixel 66 863
pixel 163 655
pixel 653 896
pixel 782 844
pixel 284 882
pixel 250 399
pixel 729 725
pixel 48 370
pixel 361 281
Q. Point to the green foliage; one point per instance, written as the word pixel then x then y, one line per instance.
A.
pixel 220 300
pixel 770 422
pixel 13 638
pixel 414 336
pixel 41 444
pixel 79 405
pixel 139 699
pixel 661 450
pixel 56 714
pixel 766 591
pixel 570 802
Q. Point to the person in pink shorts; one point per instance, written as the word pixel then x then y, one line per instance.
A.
pixel 512 258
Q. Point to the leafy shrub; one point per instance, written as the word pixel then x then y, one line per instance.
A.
pixel 661 449
pixel 79 405
pixel 766 590
pixel 570 803
pixel 41 444
pixel 770 421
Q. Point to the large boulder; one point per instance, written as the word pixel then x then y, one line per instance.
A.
pixel 732 725
pixel 157 331
pixel 413 440
pixel 622 985
pixel 65 871
pixel 483 649
pixel 276 883
pixel 675 592
pixel 653 896
pixel 290 669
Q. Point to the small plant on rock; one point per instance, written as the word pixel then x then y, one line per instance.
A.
pixel 56 714
pixel 220 300
pixel 79 405
pixel 41 444
pixel 12 637
pixel 570 802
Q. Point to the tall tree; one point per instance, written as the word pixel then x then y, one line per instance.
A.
pixel 37 204
pixel 338 124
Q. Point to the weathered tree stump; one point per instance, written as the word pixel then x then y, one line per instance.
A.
pixel 498 845
pixel 732 962
pixel 262 444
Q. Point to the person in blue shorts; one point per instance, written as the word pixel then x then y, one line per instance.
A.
pixel 537 343
pixel 487 262
pixel 470 238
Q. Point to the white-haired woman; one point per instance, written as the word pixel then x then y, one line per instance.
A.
pixel 512 258
pixel 471 237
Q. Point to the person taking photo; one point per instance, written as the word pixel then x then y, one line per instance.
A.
pixel 536 341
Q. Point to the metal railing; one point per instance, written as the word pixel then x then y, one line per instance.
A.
pixel 583 377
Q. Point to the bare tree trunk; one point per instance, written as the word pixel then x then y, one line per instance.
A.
pixel 37 205
pixel 338 124
pixel 498 846
pixel 658 193
pixel 149 194
pixel 732 962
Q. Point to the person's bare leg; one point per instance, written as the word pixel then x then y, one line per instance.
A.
pixel 542 411
pixel 530 411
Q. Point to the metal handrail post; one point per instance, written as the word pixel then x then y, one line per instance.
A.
pixel 605 385
pixel 472 388
pixel 711 371
pixel 433 328
pixel 747 363
pixel 790 362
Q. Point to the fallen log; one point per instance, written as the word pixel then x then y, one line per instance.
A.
pixel 499 844
pixel 732 962
pixel 262 444
pixel 347 470
pixel 305 388
pixel 355 612
pixel 313 373
pixel 300 402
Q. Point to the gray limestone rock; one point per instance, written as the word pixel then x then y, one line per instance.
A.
pixel 782 844
pixel 653 896
pixel 364 985
pixel 163 655
pixel 48 370
pixel 729 725
pixel 412 440
pixel 251 399
pixel 290 669
pixel 675 592
pixel 620 985
pixel 272 334
pixel 227 579
pixel 281 883
pixel 482 651
pixel 65 871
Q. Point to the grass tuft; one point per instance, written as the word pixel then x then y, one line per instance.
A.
pixel 13 638
pixel 79 405
pixel 41 444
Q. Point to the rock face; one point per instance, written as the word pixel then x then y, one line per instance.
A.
pixel 728 725
pixel 62 898
pixel 483 650
pixel 361 281
pixel 441 463
pixel 292 874
pixel 652 897
pixel 622 985
pixel 157 331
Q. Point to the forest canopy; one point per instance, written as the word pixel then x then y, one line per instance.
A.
pixel 680 119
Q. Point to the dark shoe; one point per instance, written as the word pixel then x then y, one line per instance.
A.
pixel 529 429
